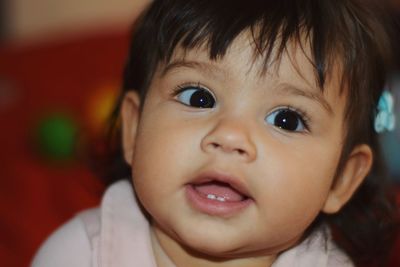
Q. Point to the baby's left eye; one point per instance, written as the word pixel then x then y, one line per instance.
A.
pixel 287 119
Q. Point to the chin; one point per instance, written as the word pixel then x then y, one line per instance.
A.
pixel 217 246
pixel 207 246
pixel 213 251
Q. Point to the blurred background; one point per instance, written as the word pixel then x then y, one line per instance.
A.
pixel 60 71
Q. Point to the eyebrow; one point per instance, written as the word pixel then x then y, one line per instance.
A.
pixel 206 68
pixel 289 89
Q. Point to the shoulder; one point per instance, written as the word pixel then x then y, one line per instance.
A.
pixel 337 257
pixel 90 236
pixel 71 244
pixel 316 250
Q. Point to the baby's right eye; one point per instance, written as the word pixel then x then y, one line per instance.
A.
pixel 196 97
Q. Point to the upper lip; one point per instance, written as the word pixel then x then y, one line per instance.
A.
pixel 232 181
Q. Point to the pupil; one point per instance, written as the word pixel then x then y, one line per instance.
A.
pixel 287 120
pixel 202 99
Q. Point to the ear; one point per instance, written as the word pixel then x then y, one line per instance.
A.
pixel 354 172
pixel 130 119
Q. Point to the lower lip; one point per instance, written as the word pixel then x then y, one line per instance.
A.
pixel 214 207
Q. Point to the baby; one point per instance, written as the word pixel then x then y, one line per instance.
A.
pixel 251 131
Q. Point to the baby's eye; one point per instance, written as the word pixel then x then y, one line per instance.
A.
pixel 196 97
pixel 287 119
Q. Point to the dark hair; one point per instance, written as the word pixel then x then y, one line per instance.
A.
pixel 354 34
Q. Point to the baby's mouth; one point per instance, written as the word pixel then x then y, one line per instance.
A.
pixel 218 195
pixel 219 191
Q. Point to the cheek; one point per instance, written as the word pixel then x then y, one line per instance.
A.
pixel 160 148
pixel 297 183
pixel 151 167
pixel 162 157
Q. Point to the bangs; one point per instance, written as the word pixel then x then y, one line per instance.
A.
pixel 336 33
pixel 271 24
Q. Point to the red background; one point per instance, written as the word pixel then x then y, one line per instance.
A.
pixel 37 195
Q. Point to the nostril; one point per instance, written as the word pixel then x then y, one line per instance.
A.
pixel 215 145
pixel 241 151
pixel 221 142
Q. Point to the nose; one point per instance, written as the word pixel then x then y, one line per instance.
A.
pixel 230 137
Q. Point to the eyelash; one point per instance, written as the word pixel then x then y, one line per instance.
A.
pixel 182 87
pixel 303 116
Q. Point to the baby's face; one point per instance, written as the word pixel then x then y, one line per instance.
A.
pixel 232 162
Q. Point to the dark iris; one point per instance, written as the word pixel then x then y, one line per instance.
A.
pixel 287 120
pixel 202 99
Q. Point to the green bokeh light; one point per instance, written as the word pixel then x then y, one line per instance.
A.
pixel 56 136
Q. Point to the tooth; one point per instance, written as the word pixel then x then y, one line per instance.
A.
pixel 222 199
pixel 211 196
pixel 214 197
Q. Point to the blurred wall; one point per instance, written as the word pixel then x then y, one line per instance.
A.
pixel 38 19
pixel 60 59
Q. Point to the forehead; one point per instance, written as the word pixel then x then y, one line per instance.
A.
pixel 243 59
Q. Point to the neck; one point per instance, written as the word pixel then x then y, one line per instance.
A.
pixel 169 253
